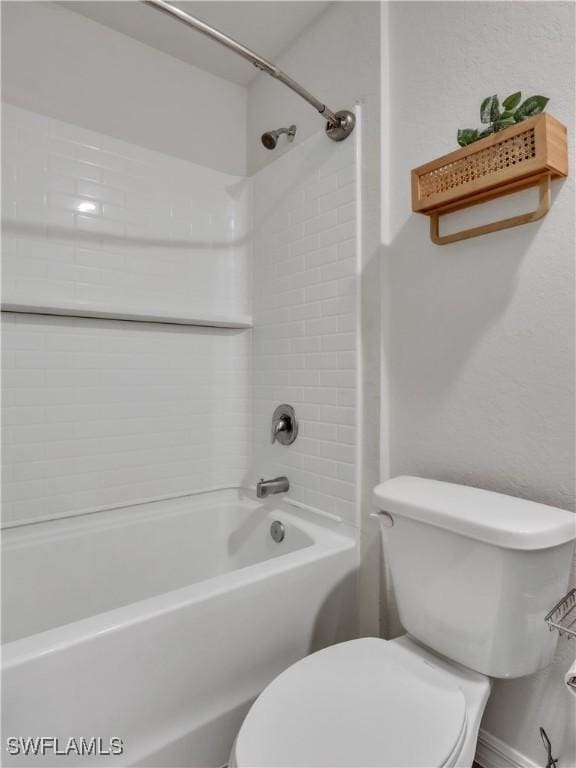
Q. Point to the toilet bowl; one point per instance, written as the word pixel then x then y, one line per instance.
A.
pixel 474 575
pixel 370 703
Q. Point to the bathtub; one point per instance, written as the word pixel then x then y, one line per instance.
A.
pixel 159 624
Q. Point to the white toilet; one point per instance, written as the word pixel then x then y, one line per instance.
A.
pixel 474 575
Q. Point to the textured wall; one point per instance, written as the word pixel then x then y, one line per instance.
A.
pixel 481 333
pixel 304 353
pixel 61 64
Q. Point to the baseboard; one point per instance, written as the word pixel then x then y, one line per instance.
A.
pixel 491 752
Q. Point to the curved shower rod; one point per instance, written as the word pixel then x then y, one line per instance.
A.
pixel 340 124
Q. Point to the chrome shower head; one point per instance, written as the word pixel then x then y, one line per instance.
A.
pixel 270 138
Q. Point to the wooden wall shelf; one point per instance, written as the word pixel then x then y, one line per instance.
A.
pixel 528 154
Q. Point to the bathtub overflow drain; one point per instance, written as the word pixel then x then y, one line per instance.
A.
pixel 277 531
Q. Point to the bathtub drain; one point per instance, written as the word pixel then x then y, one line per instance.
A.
pixel 277 531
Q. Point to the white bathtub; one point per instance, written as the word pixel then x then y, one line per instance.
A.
pixel 159 624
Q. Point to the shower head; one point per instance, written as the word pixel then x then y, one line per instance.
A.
pixel 270 138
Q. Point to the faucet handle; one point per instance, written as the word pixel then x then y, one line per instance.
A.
pixel 284 425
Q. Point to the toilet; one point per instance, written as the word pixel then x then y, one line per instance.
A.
pixel 474 574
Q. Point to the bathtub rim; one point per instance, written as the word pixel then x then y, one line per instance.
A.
pixel 329 538
pixel 240 493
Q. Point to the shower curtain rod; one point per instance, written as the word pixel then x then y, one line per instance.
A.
pixel 340 124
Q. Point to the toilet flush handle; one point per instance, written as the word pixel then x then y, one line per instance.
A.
pixel 385 518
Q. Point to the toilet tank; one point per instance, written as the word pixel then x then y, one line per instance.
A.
pixel 475 572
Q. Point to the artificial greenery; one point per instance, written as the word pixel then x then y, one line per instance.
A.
pixel 498 118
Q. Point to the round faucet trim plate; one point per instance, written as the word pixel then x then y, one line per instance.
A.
pixel 277 531
pixel 284 425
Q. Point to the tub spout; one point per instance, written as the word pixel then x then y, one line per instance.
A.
pixel 265 488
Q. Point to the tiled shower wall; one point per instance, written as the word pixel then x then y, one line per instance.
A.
pixel 304 308
pixel 91 219
pixel 101 412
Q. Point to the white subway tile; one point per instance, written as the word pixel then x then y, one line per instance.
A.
pixel 305 245
pixel 97 195
pixel 322 256
pixel 347 175
pixel 324 325
pixel 322 291
pixel 321 187
pixel 337 199
pixel 320 464
pixel 347 213
pixel 339 341
pixel 325 221
pixel 80 402
pixel 108 412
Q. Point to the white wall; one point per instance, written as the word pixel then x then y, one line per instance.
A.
pixel 305 341
pixel 103 413
pixel 63 65
pixel 338 59
pixel 480 348
pixel 96 222
pixel 478 358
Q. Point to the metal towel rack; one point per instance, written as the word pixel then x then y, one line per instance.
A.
pixel 562 617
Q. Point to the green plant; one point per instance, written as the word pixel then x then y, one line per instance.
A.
pixel 498 118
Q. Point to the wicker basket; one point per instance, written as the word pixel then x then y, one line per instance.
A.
pixel 526 154
pixel 528 149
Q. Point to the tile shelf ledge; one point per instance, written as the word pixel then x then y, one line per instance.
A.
pixel 71 308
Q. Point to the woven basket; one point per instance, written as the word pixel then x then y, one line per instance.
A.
pixel 492 166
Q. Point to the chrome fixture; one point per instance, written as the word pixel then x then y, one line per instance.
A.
pixel 270 138
pixel 562 617
pixel 340 124
pixel 284 425
pixel 266 488
pixel 551 762
pixel 277 531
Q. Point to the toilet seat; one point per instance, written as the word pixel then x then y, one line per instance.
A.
pixel 366 703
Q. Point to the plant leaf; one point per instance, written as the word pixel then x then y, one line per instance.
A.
pixel 533 105
pixel 486 132
pixel 499 125
pixel 495 109
pixel 507 114
pixel 512 101
pixel 466 136
pixel 489 109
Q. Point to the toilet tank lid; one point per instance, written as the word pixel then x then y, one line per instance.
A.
pixel 504 521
